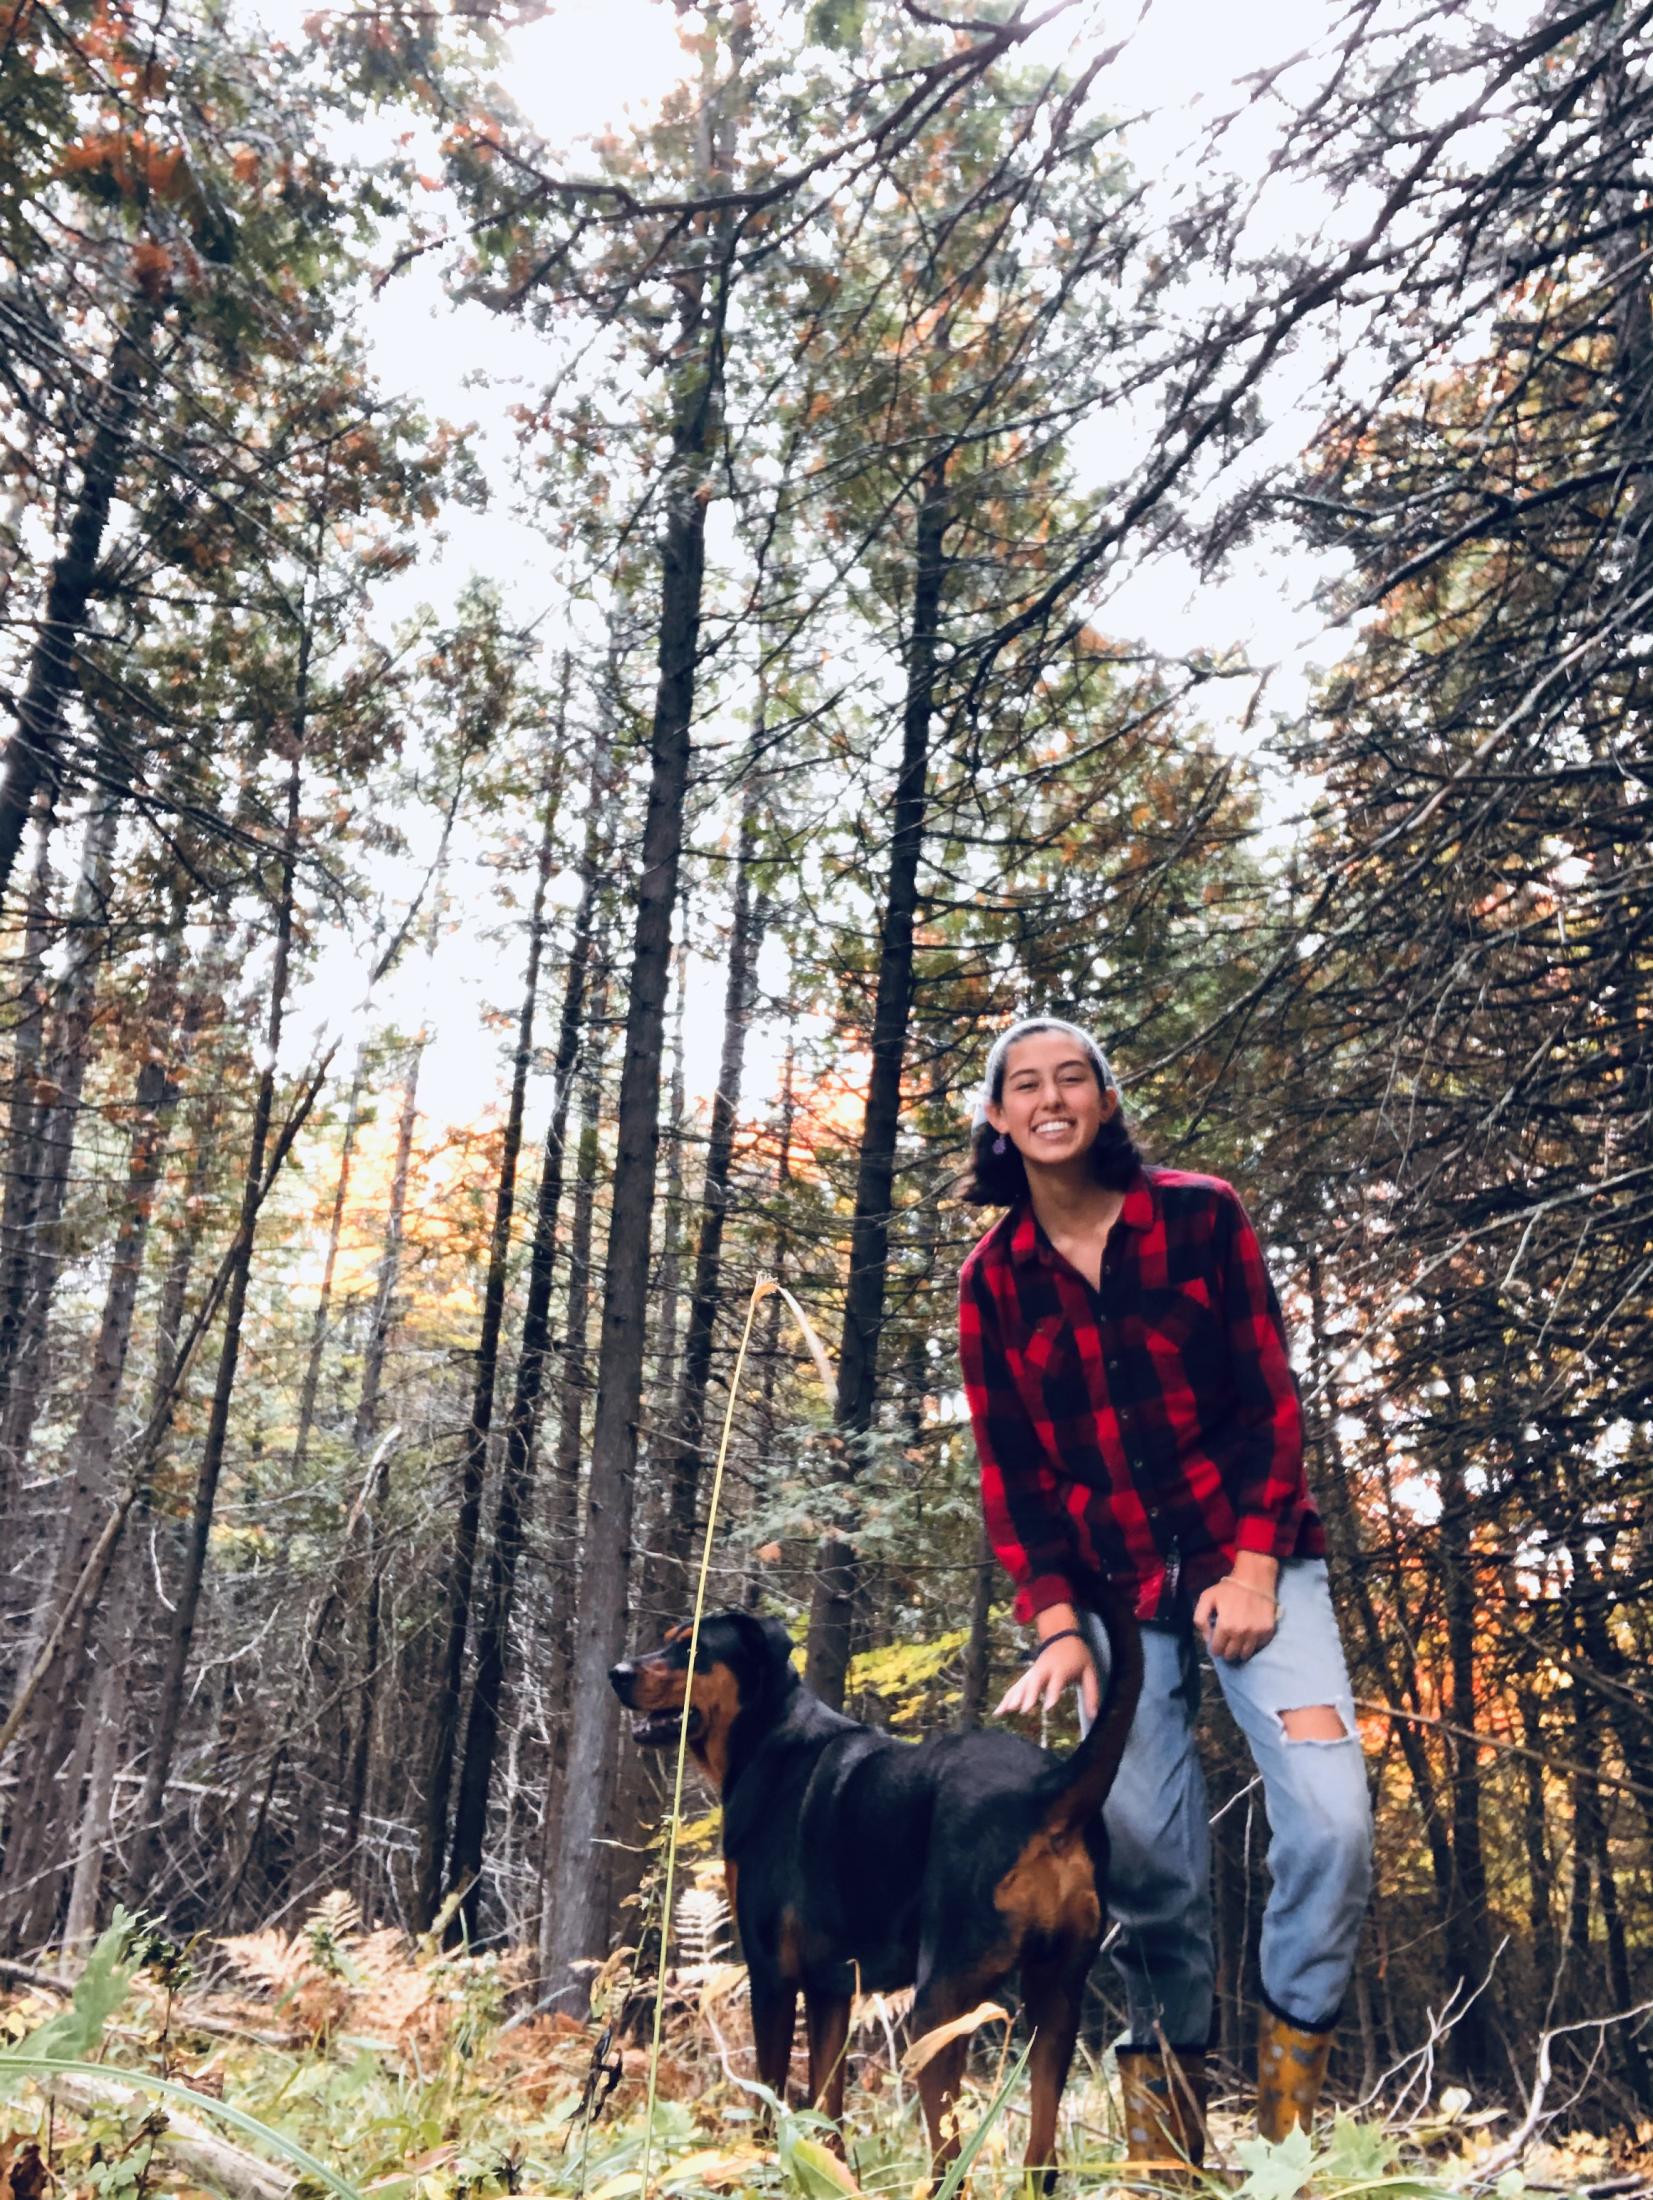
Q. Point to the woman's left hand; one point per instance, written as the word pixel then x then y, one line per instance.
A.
pixel 1235 1618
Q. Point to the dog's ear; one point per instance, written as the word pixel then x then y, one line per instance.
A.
pixel 771 1649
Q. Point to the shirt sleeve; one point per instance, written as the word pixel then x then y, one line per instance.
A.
pixel 1027 1523
pixel 1270 1489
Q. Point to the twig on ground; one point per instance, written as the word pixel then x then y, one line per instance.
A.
pixel 1506 2156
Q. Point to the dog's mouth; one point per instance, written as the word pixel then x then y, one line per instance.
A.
pixel 656 1728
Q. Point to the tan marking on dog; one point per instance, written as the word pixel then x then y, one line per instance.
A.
pixel 657 1685
pixel 715 1694
pixel 1050 1891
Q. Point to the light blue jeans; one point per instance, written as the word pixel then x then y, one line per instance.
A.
pixel 1319 1815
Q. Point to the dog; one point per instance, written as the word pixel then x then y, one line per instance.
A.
pixel 858 1863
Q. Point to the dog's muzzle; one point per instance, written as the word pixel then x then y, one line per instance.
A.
pixel 653 1729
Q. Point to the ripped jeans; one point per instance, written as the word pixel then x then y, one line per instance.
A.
pixel 1319 1815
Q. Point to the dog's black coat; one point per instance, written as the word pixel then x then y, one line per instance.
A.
pixel 858 1862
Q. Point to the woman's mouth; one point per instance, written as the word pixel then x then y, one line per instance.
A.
pixel 1052 1131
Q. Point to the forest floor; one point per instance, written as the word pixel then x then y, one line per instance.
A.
pixel 333 2059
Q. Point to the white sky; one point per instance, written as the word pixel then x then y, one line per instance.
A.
pixel 594 64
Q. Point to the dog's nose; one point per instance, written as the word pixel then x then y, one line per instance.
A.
pixel 620 1678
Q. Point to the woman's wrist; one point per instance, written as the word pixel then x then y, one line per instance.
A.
pixel 1056 1619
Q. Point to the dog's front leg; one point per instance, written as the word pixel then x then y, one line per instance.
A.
pixel 774 2013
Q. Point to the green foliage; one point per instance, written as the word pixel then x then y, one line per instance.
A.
pixel 74 2032
pixel 837 24
pixel 1357 2159
pixel 459 2108
pixel 236 2119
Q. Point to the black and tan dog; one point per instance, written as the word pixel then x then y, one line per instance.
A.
pixel 855 1860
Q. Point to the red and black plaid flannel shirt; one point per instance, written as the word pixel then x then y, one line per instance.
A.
pixel 1144 1432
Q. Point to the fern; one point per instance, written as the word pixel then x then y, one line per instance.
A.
pixel 702 1925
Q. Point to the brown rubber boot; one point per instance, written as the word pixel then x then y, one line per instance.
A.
pixel 1163 2091
pixel 1291 2069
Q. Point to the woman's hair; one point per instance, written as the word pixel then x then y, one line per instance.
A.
pixel 1000 1179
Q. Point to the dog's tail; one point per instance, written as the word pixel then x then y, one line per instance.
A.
pixel 1085 1778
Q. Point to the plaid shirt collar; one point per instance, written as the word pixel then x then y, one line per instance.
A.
pixel 1029 1243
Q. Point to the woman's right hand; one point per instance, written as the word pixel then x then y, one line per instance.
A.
pixel 1058 1667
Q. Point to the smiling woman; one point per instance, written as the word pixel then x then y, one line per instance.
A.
pixel 1139 1433
pixel 1059 1102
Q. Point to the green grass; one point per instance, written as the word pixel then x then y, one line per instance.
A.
pixel 367 2070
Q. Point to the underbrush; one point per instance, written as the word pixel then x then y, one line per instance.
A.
pixel 338 2059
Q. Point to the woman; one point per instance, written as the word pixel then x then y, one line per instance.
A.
pixel 1137 1420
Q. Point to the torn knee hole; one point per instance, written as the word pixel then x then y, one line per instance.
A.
pixel 1321 1722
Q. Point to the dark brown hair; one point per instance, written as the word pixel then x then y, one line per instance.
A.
pixel 1000 1179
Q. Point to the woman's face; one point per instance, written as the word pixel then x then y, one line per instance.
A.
pixel 1051 1106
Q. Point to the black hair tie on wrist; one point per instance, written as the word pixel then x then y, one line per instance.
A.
pixel 1062 1634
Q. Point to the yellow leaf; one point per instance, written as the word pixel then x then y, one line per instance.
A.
pixel 931 2043
pixel 717 2166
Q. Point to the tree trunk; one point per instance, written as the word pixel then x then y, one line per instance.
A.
pixel 32 757
pixel 57 1123
pixel 367 1703
pixel 324 1296
pixel 460 1568
pixel 180 1266
pixel 30 989
pixel 832 1604
pixel 781 1259
pixel 978 1642
pixel 648 1609
pixel 175 1673
pixel 107 1712
pixel 689 1421
pixel 578 1928
pixel 1470 1940
pixel 381 1316
pixel 522 1428
pixel 1541 1872
pixel 43 1810
pixel 562 1533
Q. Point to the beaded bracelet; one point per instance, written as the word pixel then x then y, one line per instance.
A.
pixel 1062 1634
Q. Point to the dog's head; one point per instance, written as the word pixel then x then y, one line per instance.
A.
pixel 742 1676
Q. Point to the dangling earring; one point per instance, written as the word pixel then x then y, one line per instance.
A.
pixel 1000 1143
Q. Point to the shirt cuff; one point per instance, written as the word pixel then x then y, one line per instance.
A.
pixel 1039 1594
pixel 1266 1534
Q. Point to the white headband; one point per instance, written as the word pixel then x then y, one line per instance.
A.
pixel 993 1076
